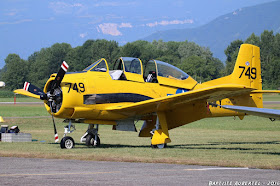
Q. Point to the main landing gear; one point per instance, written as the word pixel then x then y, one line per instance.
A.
pixel 158 146
pixel 160 135
pixel 91 137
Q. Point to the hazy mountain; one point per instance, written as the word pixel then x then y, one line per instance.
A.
pixel 27 26
pixel 218 34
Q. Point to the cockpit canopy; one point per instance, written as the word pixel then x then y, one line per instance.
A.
pixel 100 66
pixel 154 71
pixel 165 70
pixel 129 64
pixel 134 65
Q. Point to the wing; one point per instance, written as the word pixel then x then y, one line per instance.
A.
pixel 213 93
pixel 263 112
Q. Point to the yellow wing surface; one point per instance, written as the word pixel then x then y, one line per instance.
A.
pixel 213 93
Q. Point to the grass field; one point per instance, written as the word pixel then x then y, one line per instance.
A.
pixel 19 99
pixel 253 142
pixel 271 97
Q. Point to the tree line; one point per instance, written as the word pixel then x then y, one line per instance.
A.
pixel 269 44
pixel 195 60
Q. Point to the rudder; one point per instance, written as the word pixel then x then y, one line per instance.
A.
pixel 247 69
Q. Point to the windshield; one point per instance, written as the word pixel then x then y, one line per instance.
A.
pixel 92 65
pixel 101 67
pixel 170 71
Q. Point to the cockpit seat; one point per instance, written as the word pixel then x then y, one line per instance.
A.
pixel 115 74
pixel 152 77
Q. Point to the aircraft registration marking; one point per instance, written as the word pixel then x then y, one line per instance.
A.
pixel 79 88
pixel 250 72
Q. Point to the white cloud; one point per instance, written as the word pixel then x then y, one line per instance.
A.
pixel 173 22
pixel 65 8
pixel 125 25
pixel 83 35
pixel 11 13
pixel 114 4
pixel 48 19
pixel 106 4
pixel 16 22
pixel 112 28
pixel 77 5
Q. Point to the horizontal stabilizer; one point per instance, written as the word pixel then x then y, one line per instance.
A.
pixel 263 112
pixel 265 92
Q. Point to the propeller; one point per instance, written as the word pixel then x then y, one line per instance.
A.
pixel 34 90
pixel 53 95
pixel 63 69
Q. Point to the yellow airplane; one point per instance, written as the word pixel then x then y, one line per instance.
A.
pixel 161 95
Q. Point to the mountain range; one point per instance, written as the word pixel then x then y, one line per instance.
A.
pixel 27 26
pixel 219 33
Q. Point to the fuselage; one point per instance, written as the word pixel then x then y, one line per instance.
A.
pixel 87 94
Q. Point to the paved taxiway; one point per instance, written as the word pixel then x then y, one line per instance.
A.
pixel 27 171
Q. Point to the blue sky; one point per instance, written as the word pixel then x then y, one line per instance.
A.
pixel 27 26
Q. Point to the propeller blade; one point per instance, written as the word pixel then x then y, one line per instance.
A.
pixel 34 90
pixel 26 93
pixel 63 69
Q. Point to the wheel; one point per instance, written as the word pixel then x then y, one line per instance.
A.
pixel 159 146
pixel 67 142
pixel 91 142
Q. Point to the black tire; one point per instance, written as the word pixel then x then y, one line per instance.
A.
pixel 67 142
pixel 90 141
pixel 154 146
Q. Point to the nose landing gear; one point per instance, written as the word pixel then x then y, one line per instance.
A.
pixel 90 138
pixel 67 141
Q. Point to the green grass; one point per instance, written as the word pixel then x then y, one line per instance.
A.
pixel 23 110
pixel 20 99
pixel 271 97
pixel 253 142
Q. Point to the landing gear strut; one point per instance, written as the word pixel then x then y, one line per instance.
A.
pixel 160 135
pixel 158 146
pixel 91 136
pixel 68 142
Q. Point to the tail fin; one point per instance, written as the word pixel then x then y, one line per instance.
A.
pixel 247 72
pixel 247 69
